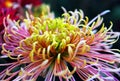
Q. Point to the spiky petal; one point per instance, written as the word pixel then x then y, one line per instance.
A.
pixel 47 47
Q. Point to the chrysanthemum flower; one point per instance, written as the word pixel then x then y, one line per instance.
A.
pixel 15 9
pixel 60 47
pixel 5 10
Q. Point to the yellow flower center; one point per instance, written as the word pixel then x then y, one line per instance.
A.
pixel 52 39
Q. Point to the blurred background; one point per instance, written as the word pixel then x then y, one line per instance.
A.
pixel 91 8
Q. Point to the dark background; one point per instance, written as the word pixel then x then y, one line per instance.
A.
pixel 91 8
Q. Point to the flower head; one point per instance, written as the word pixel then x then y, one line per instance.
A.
pixel 15 9
pixel 48 47
pixel 5 10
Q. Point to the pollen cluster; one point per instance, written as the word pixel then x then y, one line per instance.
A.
pixel 48 46
pixel 52 39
